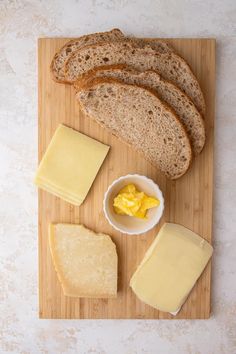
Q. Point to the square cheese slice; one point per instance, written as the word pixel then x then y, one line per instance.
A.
pixel 171 267
pixel 70 165
pixel 85 262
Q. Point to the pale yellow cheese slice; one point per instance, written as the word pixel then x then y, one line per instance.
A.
pixel 171 267
pixel 70 165
pixel 85 262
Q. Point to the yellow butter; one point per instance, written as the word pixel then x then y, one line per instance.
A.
pixel 70 165
pixel 85 262
pixel 171 267
pixel 131 202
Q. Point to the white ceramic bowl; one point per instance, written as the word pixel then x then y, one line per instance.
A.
pixel 129 224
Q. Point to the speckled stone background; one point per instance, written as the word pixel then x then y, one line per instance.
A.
pixel 21 23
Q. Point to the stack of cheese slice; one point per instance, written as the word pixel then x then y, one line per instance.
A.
pixel 70 165
pixel 85 262
pixel 170 268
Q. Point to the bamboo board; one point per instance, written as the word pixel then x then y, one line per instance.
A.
pixel 188 201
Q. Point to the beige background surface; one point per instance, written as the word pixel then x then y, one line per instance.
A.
pixel 21 23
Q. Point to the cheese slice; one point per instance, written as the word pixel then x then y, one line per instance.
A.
pixel 70 165
pixel 171 267
pixel 85 262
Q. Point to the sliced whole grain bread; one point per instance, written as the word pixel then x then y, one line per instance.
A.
pixel 139 118
pixel 171 66
pixel 58 61
pixel 169 93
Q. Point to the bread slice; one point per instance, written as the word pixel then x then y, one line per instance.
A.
pixel 169 93
pixel 58 61
pixel 171 67
pixel 139 118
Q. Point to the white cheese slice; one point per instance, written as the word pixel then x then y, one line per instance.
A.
pixel 85 262
pixel 170 268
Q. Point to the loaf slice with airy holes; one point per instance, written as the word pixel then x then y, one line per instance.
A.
pixel 168 92
pixel 139 118
pixel 169 65
pixel 58 61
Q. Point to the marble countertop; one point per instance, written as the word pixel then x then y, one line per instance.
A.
pixel 21 23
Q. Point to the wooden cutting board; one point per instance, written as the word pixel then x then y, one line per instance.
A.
pixel 188 201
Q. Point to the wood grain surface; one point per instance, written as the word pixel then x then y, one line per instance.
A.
pixel 188 201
